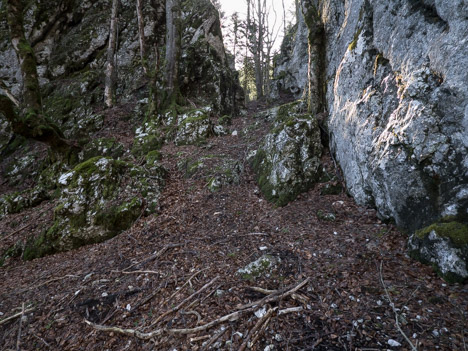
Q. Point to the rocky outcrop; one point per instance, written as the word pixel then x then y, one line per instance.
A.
pixel 288 160
pixel 445 247
pixel 69 39
pixel 291 65
pixel 99 198
pixel 397 103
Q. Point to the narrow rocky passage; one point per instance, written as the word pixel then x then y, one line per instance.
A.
pixel 190 266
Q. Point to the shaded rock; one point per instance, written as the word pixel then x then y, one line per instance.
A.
pixel 227 173
pixel 288 160
pixel 148 138
pixel 194 127
pixel 18 201
pixel 263 266
pixel 100 198
pixel 108 147
pixel 445 247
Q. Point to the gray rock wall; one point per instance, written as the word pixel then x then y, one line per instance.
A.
pixel 397 100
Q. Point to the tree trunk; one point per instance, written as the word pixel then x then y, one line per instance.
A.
pixel 30 123
pixel 141 34
pixel 109 91
pixel 259 51
pixel 172 48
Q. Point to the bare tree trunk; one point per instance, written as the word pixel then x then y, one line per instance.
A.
pixel 172 48
pixel 284 17
pixel 141 34
pixel 109 91
pixel 31 123
pixel 259 51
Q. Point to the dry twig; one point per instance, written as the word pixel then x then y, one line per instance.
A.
pixel 256 327
pixel 18 339
pixel 3 321
pixel 394 310
pixel 186 331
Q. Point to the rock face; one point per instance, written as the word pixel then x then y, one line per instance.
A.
pixel 70 40
pixel 288 160
pixel 291 65
pixel 397 103
pixel 99 198
pixel 445 247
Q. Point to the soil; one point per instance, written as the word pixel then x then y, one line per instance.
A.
pixel 178 269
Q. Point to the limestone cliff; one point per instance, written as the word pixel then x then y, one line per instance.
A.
pixel 397 102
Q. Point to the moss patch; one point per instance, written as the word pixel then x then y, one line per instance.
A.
pixel 457 232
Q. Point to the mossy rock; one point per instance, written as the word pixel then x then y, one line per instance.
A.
pixel 108 147
pixel 262 267
pixel 19 201
pixel 288 160
pixel 194 127
pixel 444 246
pixel 148 138
pixel 100 198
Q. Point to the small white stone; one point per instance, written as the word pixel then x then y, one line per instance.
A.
pixel 261 312
pixel 234 133
pixel 104 294
pixel 128 308
pixel 394 343
pixel 263 248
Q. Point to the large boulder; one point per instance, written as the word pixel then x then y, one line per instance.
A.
pixel 288 160
pixel 445 247
pixel 397 102
pixel 99 198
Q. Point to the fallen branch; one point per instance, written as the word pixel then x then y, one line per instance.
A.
pixel 392 305
pixel 3 321
pixel 18 339
pixel 256 327
pixel 179 306
pixel 278 295
pixel 214 338
pixel 186 331
pixel 299 297
pixel 152 257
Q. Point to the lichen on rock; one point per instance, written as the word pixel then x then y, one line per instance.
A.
pixel 194 127
pixel 263 266
pixel 445 247
pixel 99 198
pixel 288 160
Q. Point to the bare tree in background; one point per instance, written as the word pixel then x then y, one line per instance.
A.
pixel 109 91
pixel 141 34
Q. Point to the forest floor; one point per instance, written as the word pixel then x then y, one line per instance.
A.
pixel 338 283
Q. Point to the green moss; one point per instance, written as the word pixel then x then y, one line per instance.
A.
pixel 457 232
pixel 353 43
pixel 153 156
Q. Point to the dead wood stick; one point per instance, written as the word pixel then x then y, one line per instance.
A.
pixel 199 338
pixel 229 317
pixel 18 339
pixel 42 340
pixel 290 310
pixel 52 280
pixel 392 305
pixel 256 327
pixel 214 338
pixel 276 296
pixel 3 321
pixel 298 297
pixel 179 306
pixel 137 272
pixel 152 257
pixel 256 337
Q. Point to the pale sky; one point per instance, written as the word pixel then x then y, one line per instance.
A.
pixel 240 6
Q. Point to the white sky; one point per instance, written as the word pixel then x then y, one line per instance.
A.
pixel 240 6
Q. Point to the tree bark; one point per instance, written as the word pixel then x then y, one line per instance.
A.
pixel 141 34
pixel 30 122
pixel 259 51
pixel 109 91
pixel 172 48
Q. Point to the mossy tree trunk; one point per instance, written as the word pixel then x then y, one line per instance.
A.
pixel 141 34
pixel 30 122
pixel 109 90
pixel 173 42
